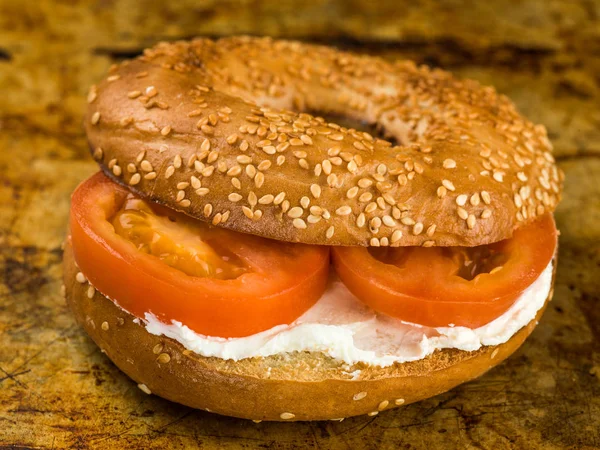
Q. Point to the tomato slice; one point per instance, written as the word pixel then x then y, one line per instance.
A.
pixel 441 286
pixel 215 281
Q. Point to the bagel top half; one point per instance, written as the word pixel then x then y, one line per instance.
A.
pixel 207 127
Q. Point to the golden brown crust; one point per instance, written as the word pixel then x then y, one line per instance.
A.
pixel 293 386
pixel 174 125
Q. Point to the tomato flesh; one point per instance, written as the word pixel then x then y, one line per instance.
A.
pixel 177 240
pixel 443 286
pixel 217 282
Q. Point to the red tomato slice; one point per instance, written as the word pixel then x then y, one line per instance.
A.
pixel 247 284
pixel 440 286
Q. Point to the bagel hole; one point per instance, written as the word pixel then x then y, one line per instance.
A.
pixel 351 123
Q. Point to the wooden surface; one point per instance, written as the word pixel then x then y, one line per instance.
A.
pixel 58 391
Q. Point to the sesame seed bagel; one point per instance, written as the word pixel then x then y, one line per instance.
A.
pixel 289 386
pixel 206 127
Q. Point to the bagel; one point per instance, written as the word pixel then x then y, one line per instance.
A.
pixel 182 126
pixel 232 134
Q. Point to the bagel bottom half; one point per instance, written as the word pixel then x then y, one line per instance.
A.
pixel 291 386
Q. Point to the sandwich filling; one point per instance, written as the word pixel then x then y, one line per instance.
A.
pixel 342 327
pixel 233 296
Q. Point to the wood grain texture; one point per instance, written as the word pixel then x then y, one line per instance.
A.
pixel 58 391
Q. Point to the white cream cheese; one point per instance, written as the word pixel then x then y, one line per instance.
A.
pixel 340 326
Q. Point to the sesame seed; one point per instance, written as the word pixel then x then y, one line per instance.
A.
pixel 315 190
pixel 169 172
pixel 234 197
pixel 259 179
pixel 441 192
pixel 163 358
pixel 498 176
pixel 518 201
pixel 494 353
pixel 95 118
pixel 150 91
pixel 417 228
pixel 449 164
pixel 384 404
pixel 370 207
pixel 142 387
pixel 485 196
pixel 407 221
pixel 295 212
pixel 196 183
pixel 105 326
pixel 448 185
pixel 248 212
pixel 264 165
pixel 287 415
pixel 98 154
pixel 365 197
pixel 399 401
pixel 177 161
pixel 474 199
pixel 329 232
pixel 461 200
pixel 343 210
pixel 165 131
pixel 146 166
pixel 266 199
pixel 352 192
pixel 373 413
pixel 92 95
pixel 135 179
pixel 234 171
pixel 306 139
pixel 364 183
pixel 396 236
pixel 299 223
pixel 252 199
pixel 279 198
pixel 116 170
pixel 157 349
pixel 244 159
pixel 388 221
pixel 471 221
pixel 374 242
pixel 462 213
pixel 486 213
pixel 205 146
pixel 359 396
pixel 91 291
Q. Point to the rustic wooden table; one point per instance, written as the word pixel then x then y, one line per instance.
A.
pixel 58 391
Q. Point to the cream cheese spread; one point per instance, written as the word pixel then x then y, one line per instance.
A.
pixel 340 326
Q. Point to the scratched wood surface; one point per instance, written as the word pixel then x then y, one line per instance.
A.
pixel 58 391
